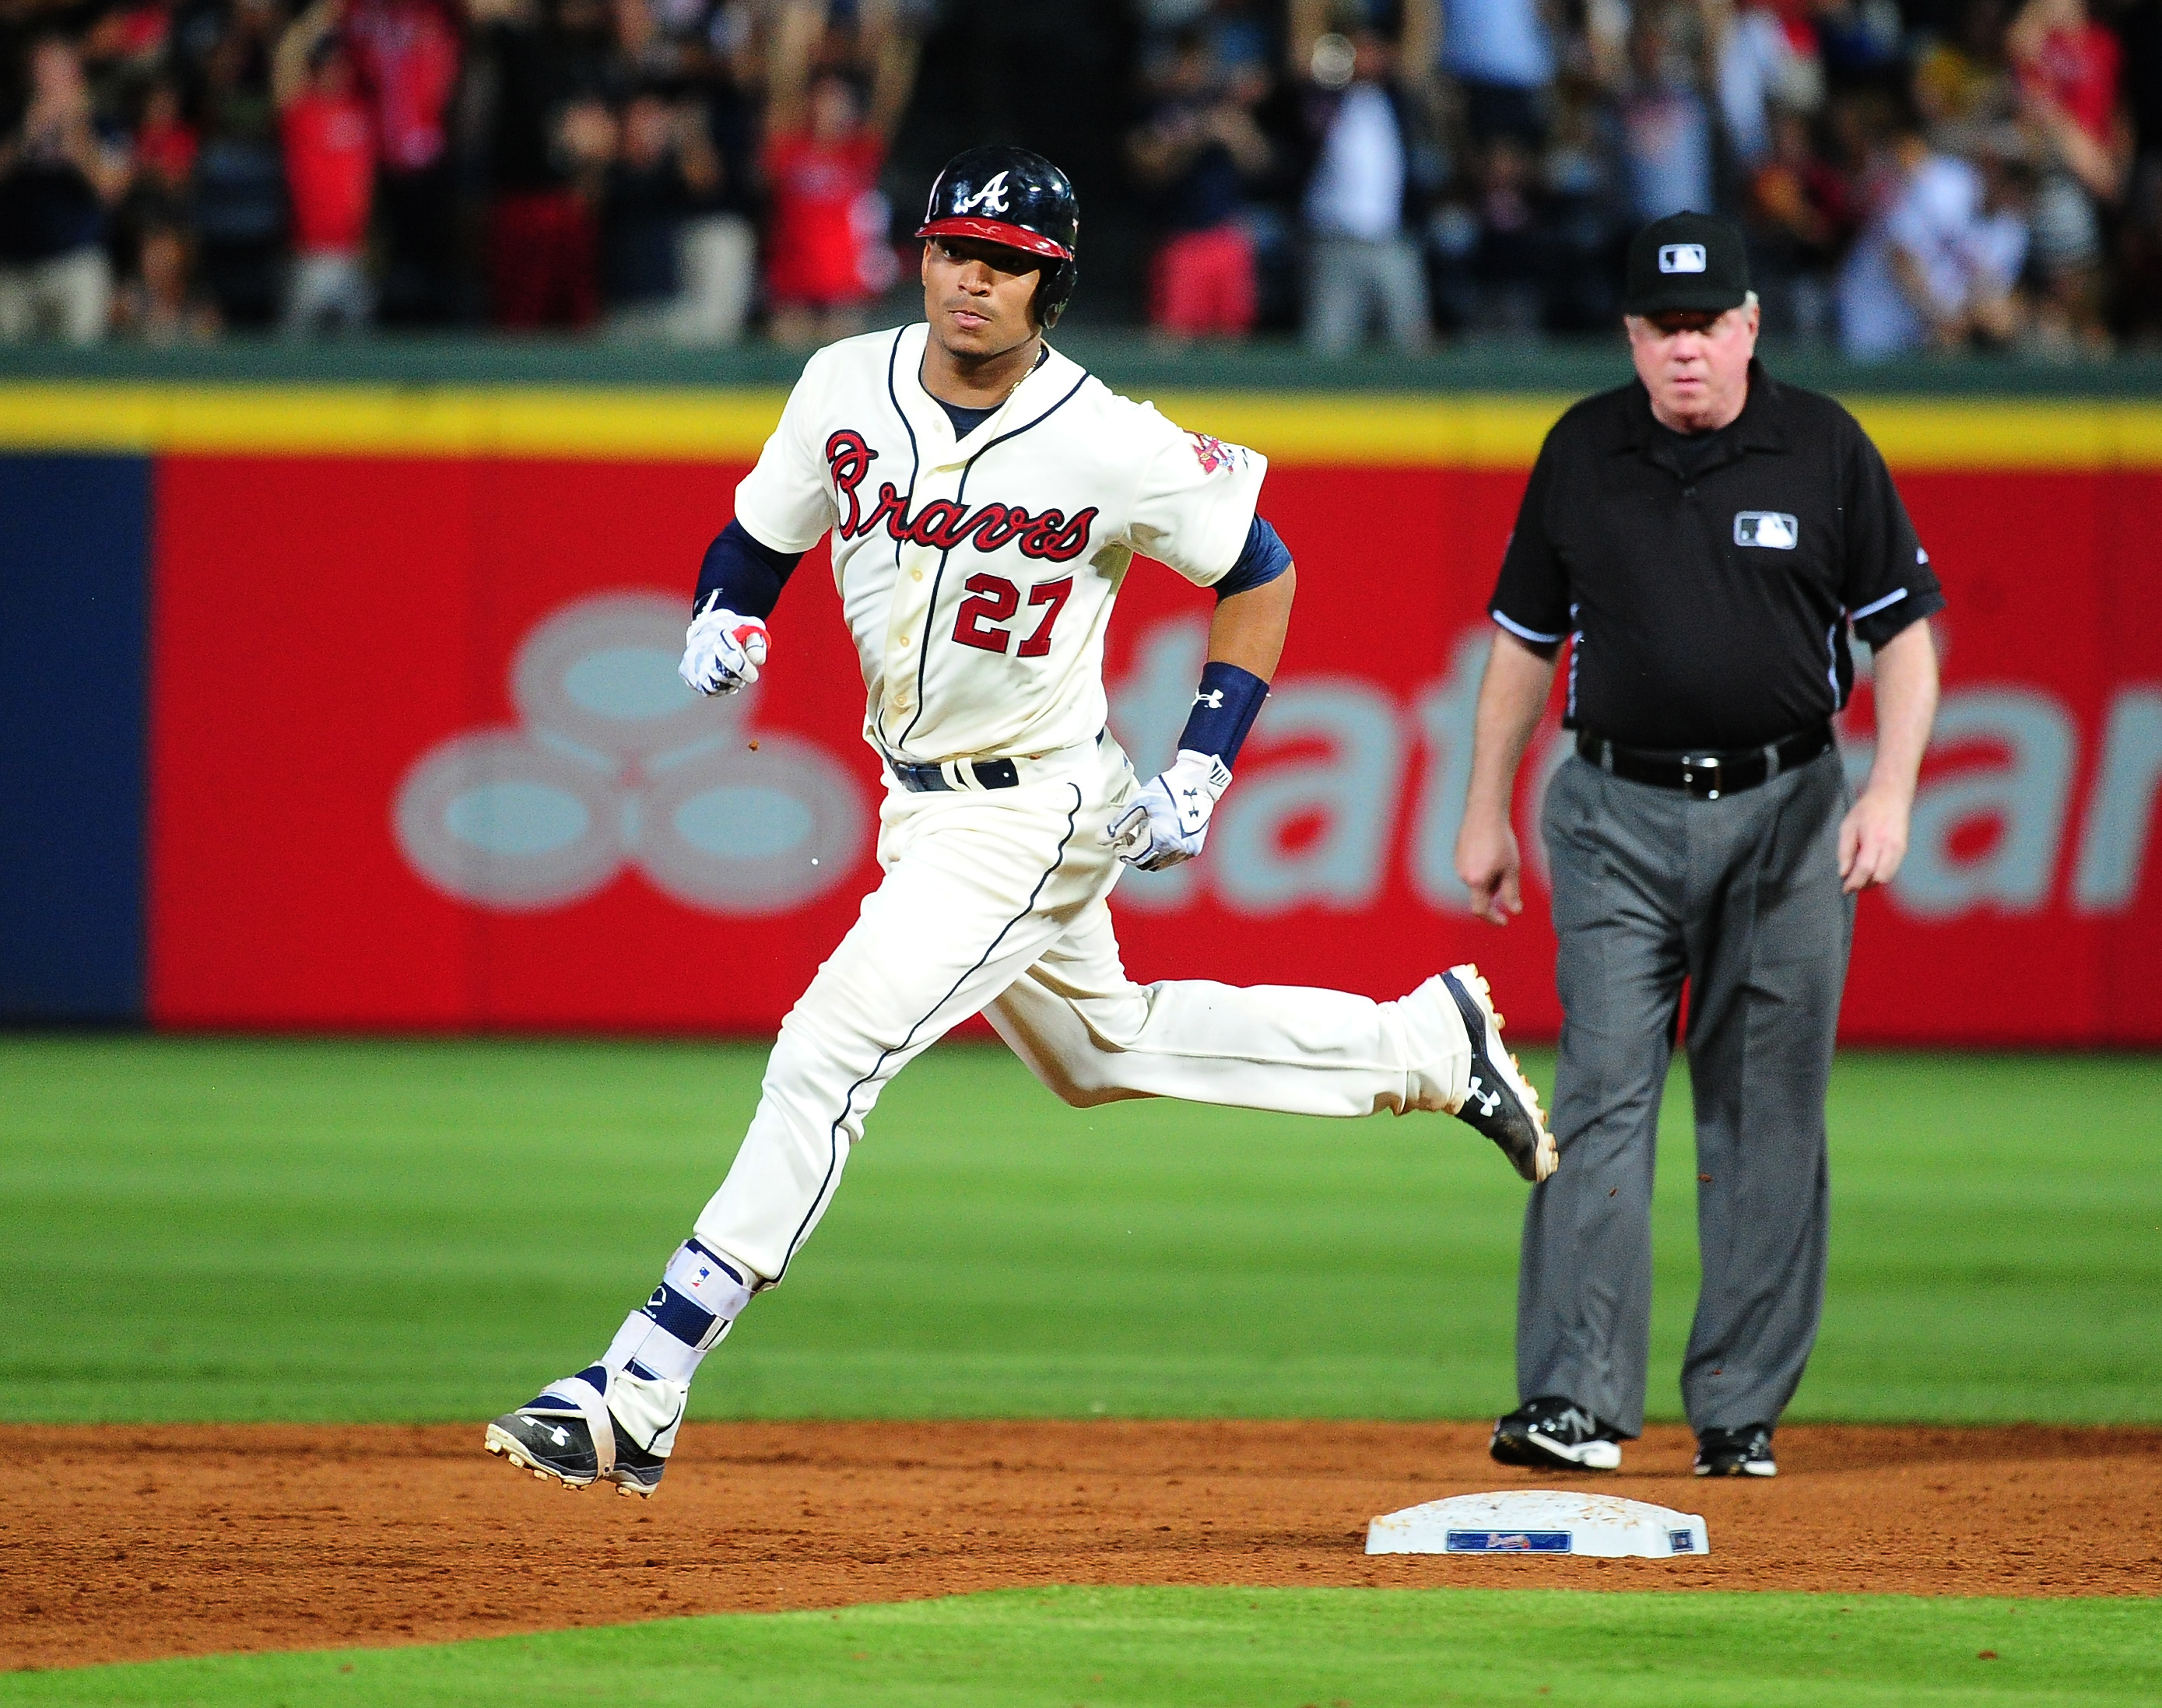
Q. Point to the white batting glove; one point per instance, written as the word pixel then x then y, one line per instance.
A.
pixel 722 652
pixel 1169 819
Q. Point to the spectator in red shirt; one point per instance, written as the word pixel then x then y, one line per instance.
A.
pixel 2069 70
pixel 2068 60
pixel 330 175
pixel 549 64
pixel 827 249
pixel 1199 152
pixel 408 55
pixel 166 144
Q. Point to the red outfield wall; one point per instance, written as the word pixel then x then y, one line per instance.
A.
pixel 418 759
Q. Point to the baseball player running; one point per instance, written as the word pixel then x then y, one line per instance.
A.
pixel 985 497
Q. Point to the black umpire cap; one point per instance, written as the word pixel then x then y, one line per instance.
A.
pixel 1686 262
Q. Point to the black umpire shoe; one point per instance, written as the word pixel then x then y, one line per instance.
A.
pixel 1744 1452
pixel 552 1437
pixel 1553 1433
pixel 1501 1102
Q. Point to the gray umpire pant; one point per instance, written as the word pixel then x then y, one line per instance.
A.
pixel 1742 897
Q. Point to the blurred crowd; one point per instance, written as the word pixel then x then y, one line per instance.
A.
pixel 173 168
pixel 1912 173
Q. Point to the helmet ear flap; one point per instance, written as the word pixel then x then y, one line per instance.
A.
pixel 1054 289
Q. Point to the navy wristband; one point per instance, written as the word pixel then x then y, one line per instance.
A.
pixel 1223 710
pixel 741 575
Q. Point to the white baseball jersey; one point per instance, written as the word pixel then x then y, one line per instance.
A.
pixel 978 575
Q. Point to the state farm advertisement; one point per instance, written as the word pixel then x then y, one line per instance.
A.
pixel 420 759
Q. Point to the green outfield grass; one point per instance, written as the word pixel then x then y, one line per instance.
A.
pixel 197 1229
pixel 1241 1648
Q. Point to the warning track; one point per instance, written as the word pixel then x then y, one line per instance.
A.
pixel 127 1543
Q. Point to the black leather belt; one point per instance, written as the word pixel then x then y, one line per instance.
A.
pixel 989 773
pixel 928 778
pixel 1705 776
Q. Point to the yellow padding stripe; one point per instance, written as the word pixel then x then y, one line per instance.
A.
pixel 362 421
pixel 1366 430
pixel 1505 432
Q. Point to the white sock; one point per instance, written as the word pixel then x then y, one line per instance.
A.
pixel 1439 1048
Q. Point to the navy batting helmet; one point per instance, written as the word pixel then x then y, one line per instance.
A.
pixel 1011 197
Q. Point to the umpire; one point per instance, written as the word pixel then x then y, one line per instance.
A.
pixel 1701 539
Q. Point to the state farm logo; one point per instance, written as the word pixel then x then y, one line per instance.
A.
pixel 616 763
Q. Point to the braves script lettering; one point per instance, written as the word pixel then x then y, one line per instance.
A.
pixel 1049 535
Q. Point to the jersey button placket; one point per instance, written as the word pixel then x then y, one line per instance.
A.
pixel 902 624
pixel 910 619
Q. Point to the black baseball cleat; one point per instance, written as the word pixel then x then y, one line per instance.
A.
pixel 554 1437
pixel 554 1446
pixel 1499 1102
pixel 1553 1433
pixel 1743 1452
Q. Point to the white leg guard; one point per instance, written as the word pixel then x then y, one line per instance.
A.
pixel 658 1349
pixel 649 1408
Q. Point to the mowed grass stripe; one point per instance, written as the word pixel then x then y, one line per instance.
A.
pixel 207 1230
pixel 1198 1648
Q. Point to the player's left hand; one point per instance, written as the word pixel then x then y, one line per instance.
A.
pixel 1872 839
pixel 722 652
pixel 1169 819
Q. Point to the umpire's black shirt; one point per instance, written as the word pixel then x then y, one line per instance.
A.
pixel 1709 586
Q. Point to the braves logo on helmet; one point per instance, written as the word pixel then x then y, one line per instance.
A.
pixel 991 199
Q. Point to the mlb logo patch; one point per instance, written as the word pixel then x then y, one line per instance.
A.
pixel 1681 257
pixel 1774 530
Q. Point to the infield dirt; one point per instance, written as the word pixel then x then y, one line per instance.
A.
pixel 129 1542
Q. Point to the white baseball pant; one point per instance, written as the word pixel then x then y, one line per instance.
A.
pixel 994 900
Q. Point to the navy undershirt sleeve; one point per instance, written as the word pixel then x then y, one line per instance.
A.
pixel 741 575
pixel 1264 557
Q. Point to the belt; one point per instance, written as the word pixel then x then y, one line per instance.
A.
pixel 925 779
pixel 1705 776
pixel 959 775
